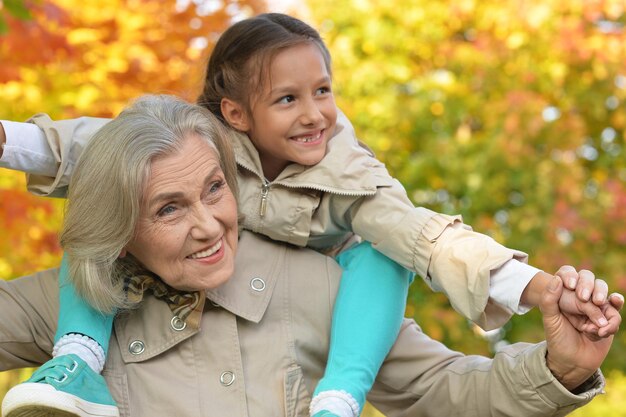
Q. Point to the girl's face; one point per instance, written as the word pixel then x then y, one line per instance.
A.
pixel 294 115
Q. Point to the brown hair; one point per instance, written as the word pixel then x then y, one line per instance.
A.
pixel 231 68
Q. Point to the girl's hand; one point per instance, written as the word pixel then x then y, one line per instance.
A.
pixel 585 284
pixel 586 303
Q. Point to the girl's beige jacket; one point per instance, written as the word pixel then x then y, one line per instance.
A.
pixel 321 206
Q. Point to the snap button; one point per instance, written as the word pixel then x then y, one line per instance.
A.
pixel 227 378
pixel 136 347
pixel 257 284
pixel 178 324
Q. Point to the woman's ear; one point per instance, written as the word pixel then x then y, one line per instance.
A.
pixel 235 115
pixel 122 253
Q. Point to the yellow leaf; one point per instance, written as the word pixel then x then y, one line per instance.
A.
pixel 83 35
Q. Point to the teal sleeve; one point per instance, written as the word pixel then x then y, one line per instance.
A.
pixel 77 316
pixel 367 316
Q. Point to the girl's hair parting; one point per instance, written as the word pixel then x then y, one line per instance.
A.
pixel 245 51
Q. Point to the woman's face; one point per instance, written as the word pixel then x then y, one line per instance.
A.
pixel 187 228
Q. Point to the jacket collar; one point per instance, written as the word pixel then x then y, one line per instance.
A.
pixel 344 170
pixel 246 294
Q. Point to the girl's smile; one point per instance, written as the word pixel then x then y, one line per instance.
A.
pixel 314 138
pixel 294 115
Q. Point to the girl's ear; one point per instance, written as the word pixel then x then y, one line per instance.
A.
pixel 235 115
pixel 122 253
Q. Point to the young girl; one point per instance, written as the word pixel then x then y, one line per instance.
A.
pixel 306 180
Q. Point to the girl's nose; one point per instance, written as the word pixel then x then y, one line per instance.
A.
pixel 311 114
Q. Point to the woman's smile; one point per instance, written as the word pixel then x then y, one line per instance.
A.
pixel 187 230
pixel 212 254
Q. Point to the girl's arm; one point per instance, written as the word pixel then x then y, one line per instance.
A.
pixel 465 265
pixel 25 148
pixel 47 150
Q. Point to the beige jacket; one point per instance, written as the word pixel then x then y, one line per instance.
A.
pixel 260 353
pixel 320 206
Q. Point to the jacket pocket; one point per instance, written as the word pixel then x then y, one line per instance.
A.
pixel 297 397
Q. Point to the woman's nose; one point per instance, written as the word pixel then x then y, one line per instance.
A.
pixel 204 225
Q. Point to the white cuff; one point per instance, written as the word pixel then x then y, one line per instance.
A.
pixel 27 150
pixel 508 283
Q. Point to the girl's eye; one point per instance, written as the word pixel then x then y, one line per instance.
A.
pixel 322 90
pixel 287 99
pixel 166 210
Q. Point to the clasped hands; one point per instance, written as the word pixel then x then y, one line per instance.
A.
pixel 580 319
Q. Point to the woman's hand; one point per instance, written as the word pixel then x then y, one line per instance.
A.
pixel 572 356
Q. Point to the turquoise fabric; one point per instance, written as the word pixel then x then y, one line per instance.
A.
pixel 367 317
pixel 70 374
pixel 77 316
pixel 325 414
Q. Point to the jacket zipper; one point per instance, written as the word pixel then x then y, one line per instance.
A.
pixel 265 190
pixel 328 190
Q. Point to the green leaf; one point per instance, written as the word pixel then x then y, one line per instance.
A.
pixel 17 9
pixel 3 26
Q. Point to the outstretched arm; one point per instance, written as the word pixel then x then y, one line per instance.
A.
pixel 29 308
pixel 47 150
pixel 422 377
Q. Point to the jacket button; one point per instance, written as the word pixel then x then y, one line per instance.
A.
pixel 257 284
pixel 136 347
pixel 227 378
pixel 178 324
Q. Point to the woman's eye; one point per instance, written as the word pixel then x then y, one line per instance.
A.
pixel 286 99
pixel 216 186
pixel 214 191
pixel 166 210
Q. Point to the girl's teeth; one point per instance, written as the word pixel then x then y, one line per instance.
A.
pixel 207 252
pixel 307 139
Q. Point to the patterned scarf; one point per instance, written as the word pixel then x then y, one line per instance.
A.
pixel 138 280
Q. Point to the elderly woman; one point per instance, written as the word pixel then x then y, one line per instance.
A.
pixel 152 217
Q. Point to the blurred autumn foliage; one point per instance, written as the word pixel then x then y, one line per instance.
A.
pixel 508 112
pixel 89 58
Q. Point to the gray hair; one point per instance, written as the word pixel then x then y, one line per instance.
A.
pixel 107 188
